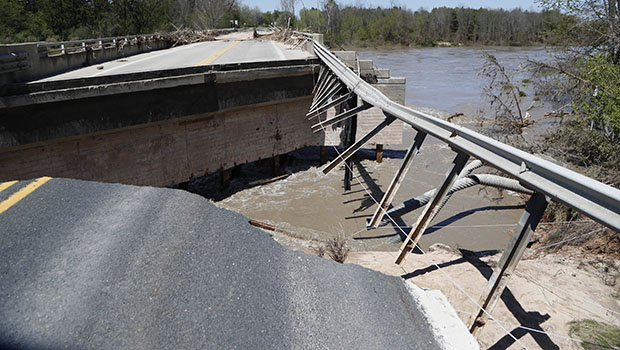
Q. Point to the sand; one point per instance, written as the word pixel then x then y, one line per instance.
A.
pixel 545 293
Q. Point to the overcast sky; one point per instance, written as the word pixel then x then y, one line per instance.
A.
pixel 270 5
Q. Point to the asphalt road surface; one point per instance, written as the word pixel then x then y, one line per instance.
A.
pixel 87 265
pixel 231 49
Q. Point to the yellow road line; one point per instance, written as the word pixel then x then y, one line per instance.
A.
pixel 217 54
pixel 21 194
pixel 5 185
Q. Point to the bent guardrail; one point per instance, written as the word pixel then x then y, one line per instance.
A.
pixel 592 198
pixel 338 85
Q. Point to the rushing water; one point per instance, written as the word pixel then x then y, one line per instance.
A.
pixel 447 79
pixel 312 205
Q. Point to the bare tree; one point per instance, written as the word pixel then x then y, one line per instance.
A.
pixel 288 11
pixel 209 13
pixel 180 12
pixel 331 9
pixel 505 96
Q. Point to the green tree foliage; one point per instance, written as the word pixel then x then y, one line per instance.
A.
pixel 74 19
pixel 37 20
pixel 586 72
pixel 398 26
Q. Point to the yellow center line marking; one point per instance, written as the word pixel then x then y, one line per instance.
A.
pixel 21 194
pixel 217 54
pixel 5 185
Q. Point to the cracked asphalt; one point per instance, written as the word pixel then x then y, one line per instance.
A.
pixel 88 265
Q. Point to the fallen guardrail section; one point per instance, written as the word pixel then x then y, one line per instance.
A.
pixel 339 86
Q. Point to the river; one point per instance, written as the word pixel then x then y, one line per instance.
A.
pixel 309 204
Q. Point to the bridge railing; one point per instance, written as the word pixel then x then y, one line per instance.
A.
pixel 31 61
pixel 54 49
pixel 590 197
pixel 339 86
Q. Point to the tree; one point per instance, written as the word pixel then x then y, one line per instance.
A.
pixel 209 13
pixel 288 12
pixel 585 73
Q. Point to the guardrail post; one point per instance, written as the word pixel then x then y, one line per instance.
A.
pixel 433 205
pixel 521 236
pixel 350 129
pixel 397 180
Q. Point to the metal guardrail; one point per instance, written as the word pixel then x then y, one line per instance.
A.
pixel 54 49
pixel 590 197
pixel 13 61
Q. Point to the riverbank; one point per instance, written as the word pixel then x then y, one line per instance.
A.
pixel 547 292
pixel 385 46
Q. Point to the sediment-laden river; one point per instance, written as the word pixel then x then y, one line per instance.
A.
pixel 312 205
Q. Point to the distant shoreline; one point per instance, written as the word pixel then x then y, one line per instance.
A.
pixel 388 47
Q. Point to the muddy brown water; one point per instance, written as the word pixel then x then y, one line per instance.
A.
pixel 310 205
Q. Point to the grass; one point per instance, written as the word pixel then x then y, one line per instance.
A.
pixel 595 335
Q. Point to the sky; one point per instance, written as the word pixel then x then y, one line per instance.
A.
pixel 270 5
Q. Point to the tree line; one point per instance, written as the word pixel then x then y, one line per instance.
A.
pixel 378 26
pixel 37 20
pixel 40 20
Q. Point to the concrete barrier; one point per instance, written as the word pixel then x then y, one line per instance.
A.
pixel 32 61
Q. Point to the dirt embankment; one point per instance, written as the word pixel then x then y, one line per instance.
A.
pixel 545 294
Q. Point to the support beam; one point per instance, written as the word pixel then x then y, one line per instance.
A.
pixel 521 236
pixel 429 210
pixel 322 73
pixel 397 180
pixel 355 147
pixel 351 130
pixel 335 102
pixel 324 91
pixel 333 90
pixel 379 153
pixel 340 117
pixel 321 85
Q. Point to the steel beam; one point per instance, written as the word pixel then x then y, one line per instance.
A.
pixel 429 210
pixel 324 91
pixel 321 84
pixel 329 93
pixel 340 117
pixel 319 80
pixel 521 236
pixel 355 147
pixel 350 131
pixel 325 107
pixel 388 197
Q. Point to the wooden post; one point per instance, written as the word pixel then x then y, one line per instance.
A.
pixel 358 144
pixel 534 210
pixel 431 208
pixel 379 153
pixel 397 180
pixel 323 156
pixel 275 165
pixel 225 178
